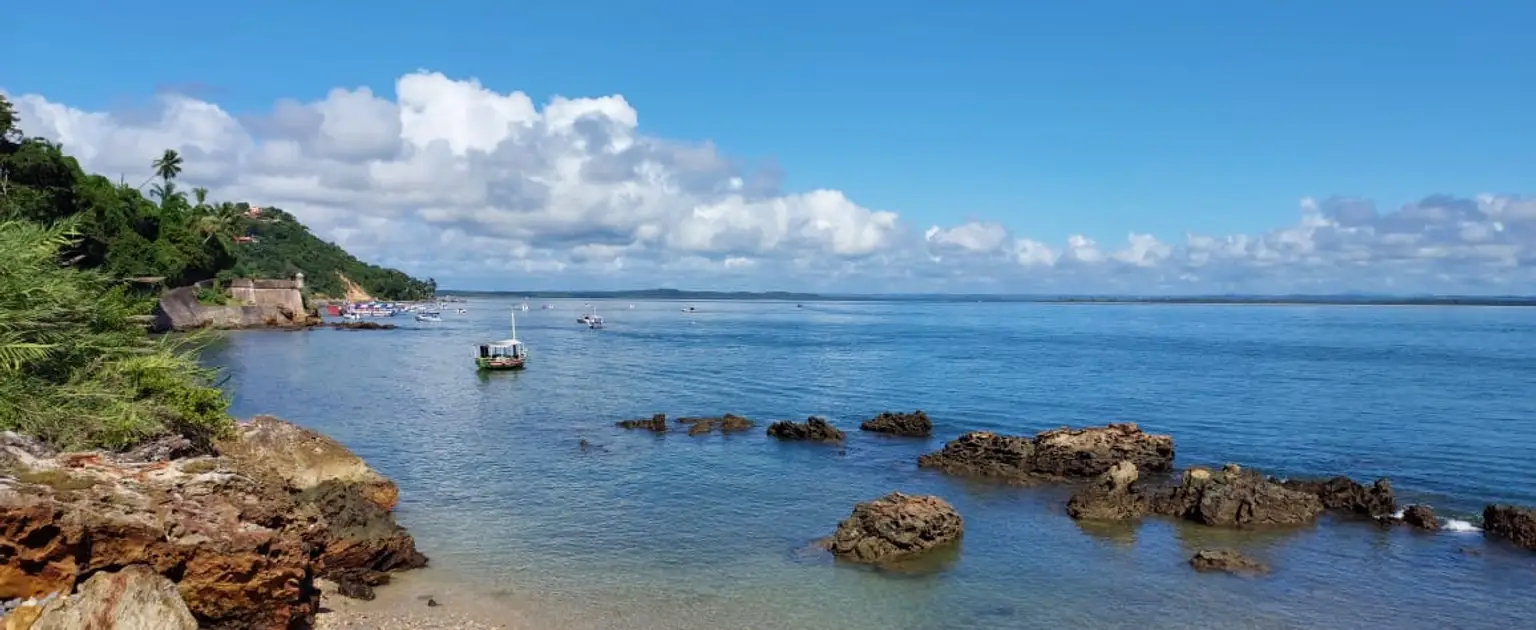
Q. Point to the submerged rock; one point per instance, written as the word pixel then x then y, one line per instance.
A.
pixel 915 424
pixel 728 423
pixel 361 325
pixel 895 526
pixel 1516 524
pixel 243 535
pixel 1058 453
pixel 134 598
pixel 1234 497
pixel 1347 495
pixel 1111 497
pixel 656 423
pixel 815 428
pixel 1421 517
pixel 1226 560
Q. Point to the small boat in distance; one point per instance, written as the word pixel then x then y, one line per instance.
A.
pixel 428 317
pixel 507 354
pixel 592 321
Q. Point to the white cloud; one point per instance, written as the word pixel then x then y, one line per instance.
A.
pixel 455 180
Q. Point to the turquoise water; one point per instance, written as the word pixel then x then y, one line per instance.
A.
pixel 713 532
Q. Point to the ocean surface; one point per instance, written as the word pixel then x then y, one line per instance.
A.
pixel 674 532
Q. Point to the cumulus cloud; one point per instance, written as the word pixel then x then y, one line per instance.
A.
pixel 452 179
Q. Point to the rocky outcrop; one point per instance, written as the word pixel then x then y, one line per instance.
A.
pixel 243 534
pixel 728 423
pixel 894 527
pixel 915 424
pixel 815 429
pixel 1233 497
pixel 1346 495
pixel 1421 517
pixel 657 423
pixel 1111 497
pixel 1516 524
pixel 1226 560
pixel 1058 453
pixel 135 598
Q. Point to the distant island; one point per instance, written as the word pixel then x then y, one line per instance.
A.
pixel 786 296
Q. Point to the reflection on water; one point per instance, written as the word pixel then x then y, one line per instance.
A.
pixel 709 532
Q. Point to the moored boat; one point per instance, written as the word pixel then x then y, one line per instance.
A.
pixel 507 354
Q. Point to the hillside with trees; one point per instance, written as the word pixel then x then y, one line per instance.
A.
pixel 155 230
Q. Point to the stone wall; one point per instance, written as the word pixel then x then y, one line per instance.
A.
pixel 265 304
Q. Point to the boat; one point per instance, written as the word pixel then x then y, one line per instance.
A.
pixel 428 317
pixel 523 307
pixel 507 354
pixel 592 321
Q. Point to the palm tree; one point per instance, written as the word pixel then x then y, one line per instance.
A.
pixel 200 194
pixel 167 167
pixel 166 192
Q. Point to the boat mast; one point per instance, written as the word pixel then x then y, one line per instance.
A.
pixel 514 323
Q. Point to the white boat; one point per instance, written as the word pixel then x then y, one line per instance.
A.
pixel 594 320
pixel 427 317
pixel 523 307
pixel 507 354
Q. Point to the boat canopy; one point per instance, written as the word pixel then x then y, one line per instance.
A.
pixel 504 348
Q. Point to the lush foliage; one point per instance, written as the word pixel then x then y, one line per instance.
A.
pixel 280 246
pixel 76 368
pixel 168 235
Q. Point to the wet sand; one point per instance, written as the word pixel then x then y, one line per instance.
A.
pixel 407 603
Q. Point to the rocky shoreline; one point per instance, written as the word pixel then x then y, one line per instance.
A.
pixel 237 533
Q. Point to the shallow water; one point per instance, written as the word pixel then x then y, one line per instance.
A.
pixel 713 532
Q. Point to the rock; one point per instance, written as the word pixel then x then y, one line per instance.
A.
pixel 1054 454
pixel 728 423
pixel 361 325
pixel 985 454
pixel 134 598
pixel 895 526
pixel 1091 451
pixel 303 459
pixel 355 589
pixel 1516 524
pixel 1421 517
pixel 1111 497
pixel 1346 495
pixel 657 423
pixel 243 535
pixel 814 428
pixel 162 449
pixel 1235 498
pixel 915 424
pixel 1226 560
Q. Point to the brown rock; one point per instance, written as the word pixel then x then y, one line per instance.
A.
pixel 984 454
pixel 1346 495
pixel 1517 524
pixel 728 423
pixel 1421 517
pixel 656 423
pixel 1235 497
pixel 303 459
pixel 361 325
pixel 1058 453
pixel 1226 560
pixel 1111 497
pixel 135 598
pixel 1091 451
pixel 915 424
pixel 814 429
pixel 895 526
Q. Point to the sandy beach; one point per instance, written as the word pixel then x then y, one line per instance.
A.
pixel 418 600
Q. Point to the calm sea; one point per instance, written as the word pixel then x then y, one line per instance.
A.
pixel 712 533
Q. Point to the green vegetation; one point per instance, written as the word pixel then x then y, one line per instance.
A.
pixel 166 235
pixel 76 368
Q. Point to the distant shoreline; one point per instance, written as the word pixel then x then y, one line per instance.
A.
pixel 1283 300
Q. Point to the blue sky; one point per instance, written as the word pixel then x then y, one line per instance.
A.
pixel 1097 118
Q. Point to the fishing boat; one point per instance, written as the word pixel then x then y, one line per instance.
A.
pixel 507 354
pixel 428 317
pixel 592 320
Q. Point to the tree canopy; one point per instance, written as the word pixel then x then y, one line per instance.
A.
pixel 125 234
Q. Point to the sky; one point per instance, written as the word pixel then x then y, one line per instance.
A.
pixel 1098 146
